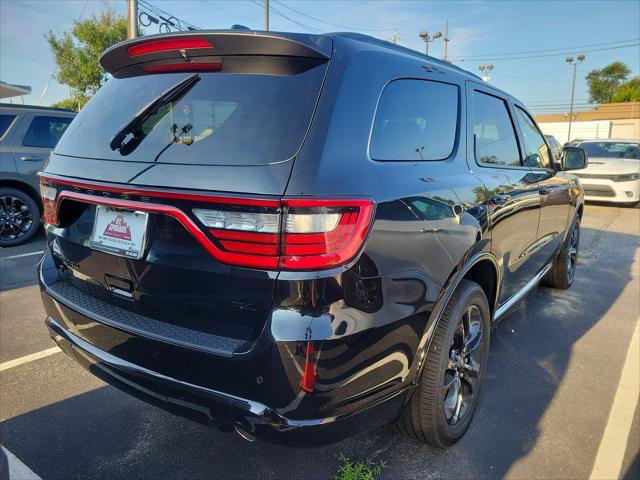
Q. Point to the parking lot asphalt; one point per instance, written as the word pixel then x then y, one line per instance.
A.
pixel 555 367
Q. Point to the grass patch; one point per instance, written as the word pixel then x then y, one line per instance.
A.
pixel 367 470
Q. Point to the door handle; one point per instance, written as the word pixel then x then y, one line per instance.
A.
pixel 545 191
pixel 32 159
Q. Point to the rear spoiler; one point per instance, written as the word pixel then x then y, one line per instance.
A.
pixel 205 50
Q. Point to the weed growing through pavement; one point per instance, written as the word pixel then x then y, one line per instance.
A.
pixel 358 470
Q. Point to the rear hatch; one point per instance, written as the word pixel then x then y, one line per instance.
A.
pixel 163 196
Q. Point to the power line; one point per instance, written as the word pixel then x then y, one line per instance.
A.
pixel 331 23
pixel 548 49
pixel 224 9
pixel 169 19
pixel 278 12
pixel 549 55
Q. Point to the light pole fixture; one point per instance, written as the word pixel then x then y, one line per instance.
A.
pixel 485 68
pixel 570 60
pixel 428 38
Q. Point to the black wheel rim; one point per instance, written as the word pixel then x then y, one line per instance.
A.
pixel 466 355
pixel 572 252
pixel 15 218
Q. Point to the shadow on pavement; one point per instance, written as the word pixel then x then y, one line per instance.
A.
pixel 106 434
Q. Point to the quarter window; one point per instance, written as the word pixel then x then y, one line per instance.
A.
pixel 495 137
pixel 45 131
pixel 5 122
pixel 536 152
pixel 415 120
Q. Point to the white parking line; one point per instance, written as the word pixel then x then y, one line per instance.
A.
pixel 23 255
pixel 17 469
pixel 616 434
pixel 28 358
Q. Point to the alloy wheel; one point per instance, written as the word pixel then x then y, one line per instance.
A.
pixel 15 218
pixel 463 365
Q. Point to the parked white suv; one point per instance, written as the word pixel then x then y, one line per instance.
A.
pixel 613 174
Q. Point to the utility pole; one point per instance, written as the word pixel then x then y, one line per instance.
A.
pixel 427 39
pixel 446 41
pixel 132 21
pixel 579 59
pixel 266 15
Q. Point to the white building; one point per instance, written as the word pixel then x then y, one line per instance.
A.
pixel 609 120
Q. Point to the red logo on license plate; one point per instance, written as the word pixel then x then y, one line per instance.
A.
pixel 118 228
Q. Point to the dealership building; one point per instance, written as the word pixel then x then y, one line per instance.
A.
pixel 608 120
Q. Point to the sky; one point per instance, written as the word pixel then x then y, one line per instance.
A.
pixel 493 32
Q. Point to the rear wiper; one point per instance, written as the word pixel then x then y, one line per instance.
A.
pixel 130 136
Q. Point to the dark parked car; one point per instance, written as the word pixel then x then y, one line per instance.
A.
pixel 299 237
pixel 27 136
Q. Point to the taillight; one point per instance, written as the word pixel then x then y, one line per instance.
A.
pixel 320 234
pixel 155 46
pixel 301 235
pixel 48 194
pixel 271 234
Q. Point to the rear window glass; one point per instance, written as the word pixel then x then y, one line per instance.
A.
pixel 45 132
pixel 224 119
pixel 415 120
pixel 5 122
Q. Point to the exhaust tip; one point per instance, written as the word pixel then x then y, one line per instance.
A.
pixel 247 436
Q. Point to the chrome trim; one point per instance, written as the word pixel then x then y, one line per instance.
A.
pixel 504 308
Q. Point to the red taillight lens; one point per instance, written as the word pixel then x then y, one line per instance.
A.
pixel 323 233
pixel 184 67
pixel 48 194
pixel 302 235
pixel 166 45
pixel 272 234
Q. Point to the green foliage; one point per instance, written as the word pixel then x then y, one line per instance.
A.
pixel 71 103
pixel 77 54
pixel 628 92
pixel 604 83
pixel 358 470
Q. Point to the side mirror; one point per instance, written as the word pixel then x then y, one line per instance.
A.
pixel 574 158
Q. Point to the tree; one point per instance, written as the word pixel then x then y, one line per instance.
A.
pixel 77 54
pixel 628 92
pixel 605 82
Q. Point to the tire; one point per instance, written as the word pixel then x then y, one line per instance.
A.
pixel 563 270
pixel 427 418
pixel 19 217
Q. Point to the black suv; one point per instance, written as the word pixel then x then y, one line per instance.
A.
pixel 27 136
pixel 299 237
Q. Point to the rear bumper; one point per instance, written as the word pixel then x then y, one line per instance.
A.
pixel 217 408
pixel 223 391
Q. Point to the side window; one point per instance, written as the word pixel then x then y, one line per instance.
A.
pixel 45 131
pixel 495 136
pixel 536 152
pixel 5 123
pixel 415 120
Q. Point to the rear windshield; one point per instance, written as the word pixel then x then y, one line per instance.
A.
pixel 224 119
pixel 612 149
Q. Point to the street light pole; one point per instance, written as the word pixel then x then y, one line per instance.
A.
pixel 266 15
pixel 132 19
pixel 427 39
pixel 579 59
